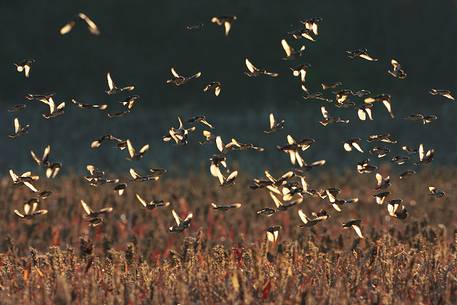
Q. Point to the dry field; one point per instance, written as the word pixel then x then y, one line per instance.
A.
pixel 224 257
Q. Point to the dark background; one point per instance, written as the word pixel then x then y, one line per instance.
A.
pixel 141 40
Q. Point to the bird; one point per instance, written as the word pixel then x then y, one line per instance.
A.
pixel 317 217
pixel 55 110
pixel 92 27
pixel 360 53
pixel 150 205
pixel 253 71
pixel 121 144
pixel 364 112
pixel 266 212
pixel 355 224
pixel 112 87
pixel 425 119
pixel 25 66
pixel 291 53
pixel 300 71
pixel 273 234
pixel 303 33
pixel 380 197
pixel 396 209
pixel 407 173
pixel 397 70
pixel 329 120
pixel 213 86
pixel 334 85
pixel 25 178
pixel 133 154
pixel 52 168
pixel 179 80
pixel 436 192
pixel 379 151
pixel 94 217
pixel 444 93
pixel 332 194
pixel 381 182
pixel 193 27
pixel 30 210
pixel 385 99
pixel 364 167
pixel 384 138
pixel 292 148
pixel 179 135
pixel 399 160
pixel 89 106
pixel 312 24
pixel 229 180
pixel 226 21
pixel 352 143
pixel 425 156
pixel 181 224
pixel 19 130
pixel 17 108
pixel 200 119
pixel 273 124
pixel 153 176
pixel 283 206
pixel 226 207
pixel 120 188
pixel 409 150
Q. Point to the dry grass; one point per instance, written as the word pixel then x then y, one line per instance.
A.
pixel 223 258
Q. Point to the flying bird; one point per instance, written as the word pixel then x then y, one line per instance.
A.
pixel 25 66
pixel 226 21
pixel 396 209
pixel 91 26
pixel 444 93
pixel 30 210
pixel 179 80
pixel 360 53
pixel 213 86
pixel 397 70
pixel 352 143
pixel 253 71
pixel 181 224
pixel 114 89
pixel 133 154
pixel 226 207
pixel 355 224
pixel 19 130
pixel 150 205
pixel 273 124
pixel 291 53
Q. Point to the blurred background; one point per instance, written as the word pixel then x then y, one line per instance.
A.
pixel 141 40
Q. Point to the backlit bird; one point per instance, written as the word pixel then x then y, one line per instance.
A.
pixel 152 204
pixel 352 143
pixel 24 66
pixel 312 24
pixel 436 192
pixel 94 216
pixel 273 124
pixel 30 210
pixel 273 234
pixel 133 154
pixel 444 93
pixel 19 130
pixel 317 217
pixel 360 53
pixel 291 53
pixel 253 71
pixel 24 179
pixel 355 224
pixel 91 26
pixel 397 70
pixel 89 106
pixel 114 89
pixel 226 207
pixel 179 80
pixel 226 21
pixel 396 209
pixel 385 99
pixel 181 224
pixel 213 86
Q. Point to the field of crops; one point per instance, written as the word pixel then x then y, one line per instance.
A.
pixel 224 257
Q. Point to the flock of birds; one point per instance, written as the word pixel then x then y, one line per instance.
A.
pixel 287 190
